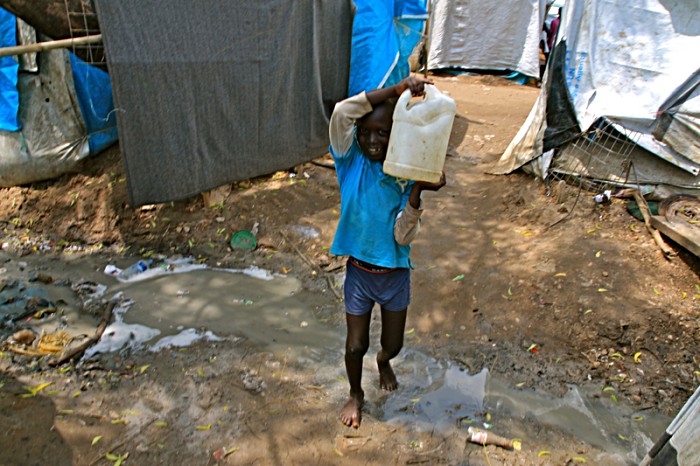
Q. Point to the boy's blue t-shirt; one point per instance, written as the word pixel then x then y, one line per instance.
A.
pixel 370 200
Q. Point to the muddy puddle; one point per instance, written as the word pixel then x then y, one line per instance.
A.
pixel 441 397
pixel 177 307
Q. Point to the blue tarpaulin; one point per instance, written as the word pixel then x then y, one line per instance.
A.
pixel 94 93
pixel 384 35
pixel 9 96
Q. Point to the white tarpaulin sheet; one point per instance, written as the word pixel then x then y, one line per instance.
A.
pixel 473 34
pixel 625 58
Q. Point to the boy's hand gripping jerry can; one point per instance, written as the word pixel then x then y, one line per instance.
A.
pixel 419 136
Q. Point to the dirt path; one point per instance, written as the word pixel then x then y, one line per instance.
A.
pixel 589 303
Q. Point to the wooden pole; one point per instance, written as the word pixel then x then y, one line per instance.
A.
pixel 426 43
pixel 54 44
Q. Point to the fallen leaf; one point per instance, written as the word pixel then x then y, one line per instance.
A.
pixel 204 427
pixel 543 453
pixel 532 347
pixel 684 295
pixel 656 292
pixel 587 311
pixel 75 394
pixel 119 421
pixel 510 293
pixel 637 356
pixel 608 389
pixel 143 368
pixel 578 459
pixel 415 400
pixel 602 290
pixel 410 331
pixel 520 384
pixel 613 398
pixel 458 277
pixel 223 452
pixel 96 439
pixel 597 254
pixel 34 390
pixel 638 419
pixel 616 355
pixel 561 274
pixel 622 437
pixel 160 424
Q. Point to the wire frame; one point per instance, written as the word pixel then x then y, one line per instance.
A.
pixel 600 160
pixel 82 21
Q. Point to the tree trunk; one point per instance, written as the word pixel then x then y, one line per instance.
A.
pixel 61 19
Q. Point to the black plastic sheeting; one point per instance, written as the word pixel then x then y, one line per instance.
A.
pixel 562 125
pixel 212 92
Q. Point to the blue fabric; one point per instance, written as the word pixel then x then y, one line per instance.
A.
pixel 391 290
pixel 94 91
pixel 370 200
pixel 9 95
pixel 384 34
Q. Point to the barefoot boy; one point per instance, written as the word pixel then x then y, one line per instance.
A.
pixel 379 218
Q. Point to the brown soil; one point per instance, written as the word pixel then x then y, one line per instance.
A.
pixel 492 279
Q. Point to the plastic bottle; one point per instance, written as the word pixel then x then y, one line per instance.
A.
pixel 419 136
pixel 135 269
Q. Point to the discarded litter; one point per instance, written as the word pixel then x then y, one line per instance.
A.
pixel 243 240
pixel 602 198
pixel 482 437
pixel 135 269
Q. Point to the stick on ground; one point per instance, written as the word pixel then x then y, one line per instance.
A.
pixel 80 349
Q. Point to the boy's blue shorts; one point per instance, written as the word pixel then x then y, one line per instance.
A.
pixel 391 290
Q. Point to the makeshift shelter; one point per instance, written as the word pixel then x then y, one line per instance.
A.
pixel 55 110
pixel 470 34
pixel 619 101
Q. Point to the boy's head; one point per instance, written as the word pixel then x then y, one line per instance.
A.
pixel 373 130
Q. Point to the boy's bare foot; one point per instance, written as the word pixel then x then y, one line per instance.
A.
pixel 351 414
pixel 387 378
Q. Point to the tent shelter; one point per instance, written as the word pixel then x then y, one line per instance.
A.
pixel 55 110
pixel 624 72
pixel 471 34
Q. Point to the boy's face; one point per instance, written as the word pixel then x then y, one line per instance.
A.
pixel 373 132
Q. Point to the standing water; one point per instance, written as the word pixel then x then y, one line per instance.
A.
pixel 174 309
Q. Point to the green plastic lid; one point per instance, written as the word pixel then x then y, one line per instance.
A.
pixel 243 239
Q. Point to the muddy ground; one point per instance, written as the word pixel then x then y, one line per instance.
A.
pixel 589 302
